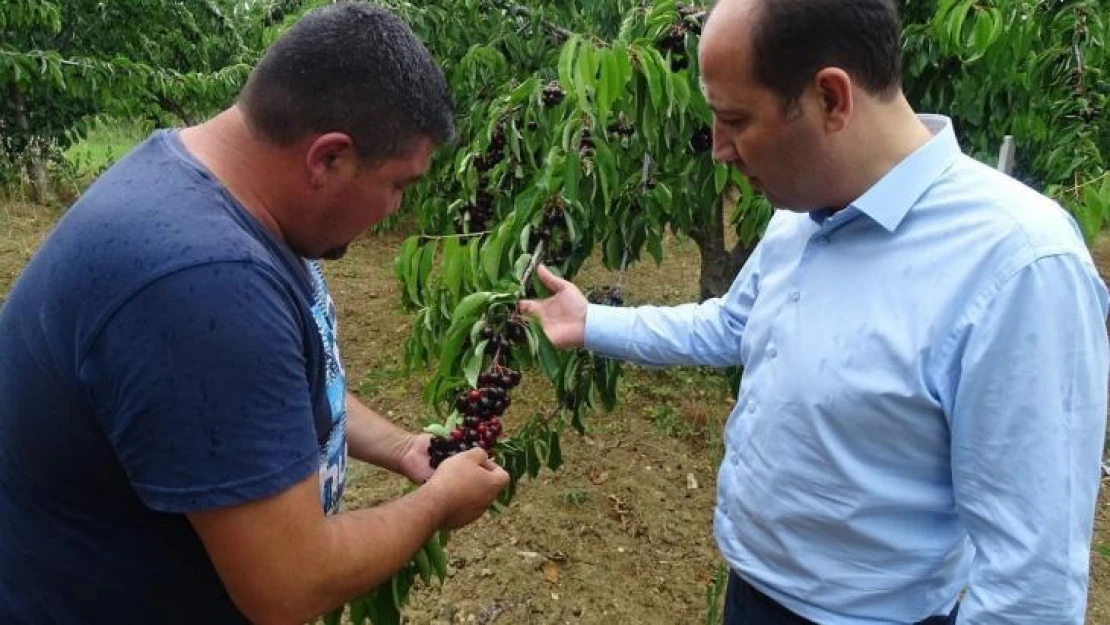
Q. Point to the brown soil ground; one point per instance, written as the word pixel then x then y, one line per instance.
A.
pixel 620 534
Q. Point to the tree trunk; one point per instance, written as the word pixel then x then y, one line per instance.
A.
pixel 36 152
pixel 719 265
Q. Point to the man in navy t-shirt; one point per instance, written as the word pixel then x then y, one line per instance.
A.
pixel 174 422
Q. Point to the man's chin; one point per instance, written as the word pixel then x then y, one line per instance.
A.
pixel 334 253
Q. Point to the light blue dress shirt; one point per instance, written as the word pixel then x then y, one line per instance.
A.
pixel 923 405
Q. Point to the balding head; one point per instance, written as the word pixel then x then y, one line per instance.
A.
pixel 786 43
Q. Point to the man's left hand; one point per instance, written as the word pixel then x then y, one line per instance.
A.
pixel 415 461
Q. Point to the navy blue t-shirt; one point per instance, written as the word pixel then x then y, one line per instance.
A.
pixel 161 353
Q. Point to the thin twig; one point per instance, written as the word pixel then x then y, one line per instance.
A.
pixel 536 254
pixel 624 266
pixel 516 9
pixel 454 236
pixel 1079 185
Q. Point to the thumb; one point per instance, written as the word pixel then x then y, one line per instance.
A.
pixel 477 455
pixel 553 282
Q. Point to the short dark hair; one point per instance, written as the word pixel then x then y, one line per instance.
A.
pixel 350 68
pixel 794 39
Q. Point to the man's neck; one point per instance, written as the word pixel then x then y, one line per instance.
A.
pixel 892 133
pixel 249 171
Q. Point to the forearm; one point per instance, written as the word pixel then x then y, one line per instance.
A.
pixel 690 334
pixel 373 438
pixel 364 549
pixel 284 562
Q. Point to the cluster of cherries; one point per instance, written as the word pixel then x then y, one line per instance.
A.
pixel 606 296
pixel 481 409
pixel 552 94
pixel 480 212
pixel 674 39
pixel 554 234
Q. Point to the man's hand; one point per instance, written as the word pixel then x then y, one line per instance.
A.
pixel 563 314
pixel 468 482
pixel 415 462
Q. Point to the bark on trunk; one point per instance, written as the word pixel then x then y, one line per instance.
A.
pixel 719 265
pixel 36 153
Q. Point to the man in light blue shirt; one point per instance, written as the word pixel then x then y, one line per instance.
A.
pixel 923 339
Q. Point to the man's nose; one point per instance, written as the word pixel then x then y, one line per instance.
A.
pixel 723 148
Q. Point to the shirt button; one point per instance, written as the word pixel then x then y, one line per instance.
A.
pixel 795 296
pixel 823 240
pixel 772 352
pixel 751 407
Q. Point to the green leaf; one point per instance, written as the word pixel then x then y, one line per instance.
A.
pixel 359 611
pixel 605 83
pixel 427 260
pixel 455 266
pixel 469 308
pixel 555 452
pixel 652 73
pixel 423 565
pixel 524 90
pixel 474 251
pixel 335 617
pixel 521 265
pixel 438 429
pixel 531 461
pixel 566 60
pixel 549 357
pixel 585 71
pixel 402 266
pixel 491 253
pixel 474 364
pixel 720 177
pixel 463 318
pixel 662 194
pixel 384 610
pixel 572 173
pixel 606 171
pixel 614 250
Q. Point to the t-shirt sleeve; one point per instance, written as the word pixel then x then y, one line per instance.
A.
pixel 199 382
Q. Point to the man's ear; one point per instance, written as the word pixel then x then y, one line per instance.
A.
pixel 833 87
pixel 330 155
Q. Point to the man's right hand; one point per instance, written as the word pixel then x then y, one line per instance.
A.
pixel 563 314
pixel 467 483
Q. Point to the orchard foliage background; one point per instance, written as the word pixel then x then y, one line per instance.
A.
pixel 583 132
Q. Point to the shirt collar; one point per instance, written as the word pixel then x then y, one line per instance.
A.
pixel 889 200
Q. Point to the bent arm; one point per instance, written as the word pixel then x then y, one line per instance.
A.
pixel 284 562
pixel 1027 427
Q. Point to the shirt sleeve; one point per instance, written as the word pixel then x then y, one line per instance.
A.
pixel 199 382
pixel 1027 426
pixel 708 333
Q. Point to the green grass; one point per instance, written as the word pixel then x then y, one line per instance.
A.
pixel 575 497
pixel 106 142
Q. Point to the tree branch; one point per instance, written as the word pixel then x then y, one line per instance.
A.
pixel 516 9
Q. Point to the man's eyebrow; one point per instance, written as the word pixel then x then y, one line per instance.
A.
pixel 728 110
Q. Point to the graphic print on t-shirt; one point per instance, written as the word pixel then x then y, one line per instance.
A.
pixel 333 454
